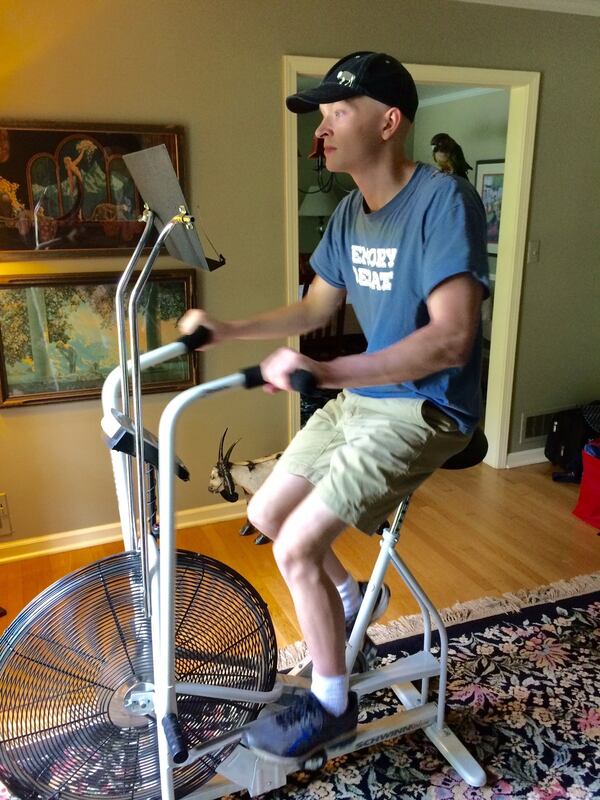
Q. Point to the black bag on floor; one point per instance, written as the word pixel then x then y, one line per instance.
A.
pixel 568 435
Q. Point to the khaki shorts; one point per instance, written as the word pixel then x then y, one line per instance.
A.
pixel 364 454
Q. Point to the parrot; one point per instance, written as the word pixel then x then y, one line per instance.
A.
pixel 448 155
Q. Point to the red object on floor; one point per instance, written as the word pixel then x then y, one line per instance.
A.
pixel 588 504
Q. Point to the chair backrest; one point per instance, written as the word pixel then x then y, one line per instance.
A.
pixel 326 342
pixel 472 454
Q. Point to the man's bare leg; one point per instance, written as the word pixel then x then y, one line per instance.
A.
pixel 302 549
pixel 276 499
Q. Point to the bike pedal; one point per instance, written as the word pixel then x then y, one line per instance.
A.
pixel 366 656
pixel 316 762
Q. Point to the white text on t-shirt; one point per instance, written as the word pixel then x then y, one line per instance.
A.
pixel 373 266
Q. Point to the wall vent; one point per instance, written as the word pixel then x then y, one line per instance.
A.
pixel 535 427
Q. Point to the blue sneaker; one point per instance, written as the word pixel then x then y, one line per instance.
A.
pixel 381 604
pixel 302 729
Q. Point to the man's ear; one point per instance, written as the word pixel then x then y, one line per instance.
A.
pixel 392 120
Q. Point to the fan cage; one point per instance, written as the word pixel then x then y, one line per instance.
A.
pixel 70 656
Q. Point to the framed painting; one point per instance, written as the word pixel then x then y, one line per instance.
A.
pixel 58 338
pixel 65 189
pixel 489 181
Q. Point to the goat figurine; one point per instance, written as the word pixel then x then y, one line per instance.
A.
pixel 226 477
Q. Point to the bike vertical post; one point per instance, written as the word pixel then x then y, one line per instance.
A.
pixel 136 385
pixel 128 521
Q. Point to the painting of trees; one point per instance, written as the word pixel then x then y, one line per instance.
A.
pixel 58 334
pixel 16 343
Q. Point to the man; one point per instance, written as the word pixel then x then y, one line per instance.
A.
pixel 409 250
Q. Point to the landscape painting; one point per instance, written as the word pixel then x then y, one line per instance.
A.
pixel 58 338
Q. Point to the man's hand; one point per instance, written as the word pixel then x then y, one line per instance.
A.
pixel 192 319
pixel 277 368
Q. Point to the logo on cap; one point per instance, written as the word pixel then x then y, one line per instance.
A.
pixel 345 78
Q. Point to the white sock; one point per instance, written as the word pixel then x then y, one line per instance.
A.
pixel 351 596
pixel 331 692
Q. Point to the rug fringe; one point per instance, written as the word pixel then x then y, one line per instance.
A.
pixel 510 602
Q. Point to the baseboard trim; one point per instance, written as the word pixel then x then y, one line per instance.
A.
pixel 525 457
pixel 19 549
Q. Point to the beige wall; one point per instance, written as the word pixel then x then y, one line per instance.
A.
pixel 215 67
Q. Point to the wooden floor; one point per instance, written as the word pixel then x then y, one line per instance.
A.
pixel 467 534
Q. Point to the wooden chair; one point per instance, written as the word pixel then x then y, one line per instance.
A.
pixel 324 343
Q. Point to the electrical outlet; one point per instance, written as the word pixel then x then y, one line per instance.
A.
pixel 5 523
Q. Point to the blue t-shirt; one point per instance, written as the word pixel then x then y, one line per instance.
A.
pixel 390 260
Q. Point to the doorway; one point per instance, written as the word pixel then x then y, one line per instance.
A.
pixel 523 89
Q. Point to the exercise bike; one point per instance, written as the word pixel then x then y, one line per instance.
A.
pixel 139 675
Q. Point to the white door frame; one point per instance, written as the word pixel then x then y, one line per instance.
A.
pixel 522 115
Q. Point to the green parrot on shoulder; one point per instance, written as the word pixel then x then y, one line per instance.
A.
pixel 448 155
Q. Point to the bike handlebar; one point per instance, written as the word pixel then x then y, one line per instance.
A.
pixel 196 339
pixel 301 380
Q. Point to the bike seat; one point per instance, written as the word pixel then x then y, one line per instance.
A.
pixel 471 455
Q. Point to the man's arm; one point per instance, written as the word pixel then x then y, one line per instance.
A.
pixel 312 312
pixel 446 341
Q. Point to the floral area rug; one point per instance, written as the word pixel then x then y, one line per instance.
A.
pixel 523 696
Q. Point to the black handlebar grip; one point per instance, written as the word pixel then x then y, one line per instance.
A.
pixel 301 380
pixel 253 377
pixel 198 338
pixel 304 382
pixel 175 739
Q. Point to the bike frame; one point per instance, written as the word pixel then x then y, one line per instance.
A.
pixel 243 769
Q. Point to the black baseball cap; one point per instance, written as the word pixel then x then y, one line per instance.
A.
pixel 375 75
